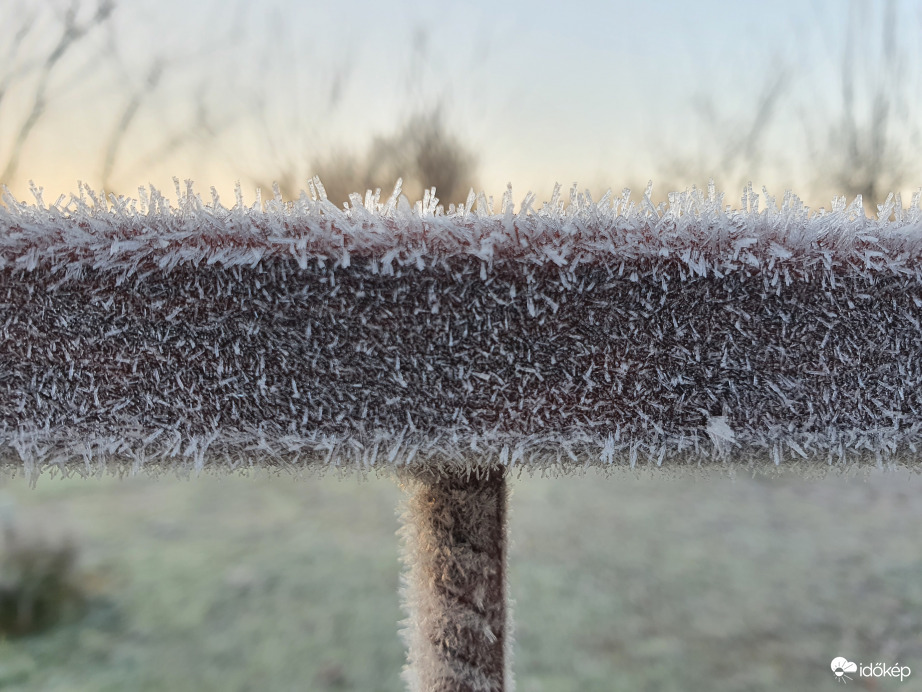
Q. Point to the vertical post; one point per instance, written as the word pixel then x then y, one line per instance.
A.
pixel 454 591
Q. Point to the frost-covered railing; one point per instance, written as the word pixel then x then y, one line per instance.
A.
pixel 141 334
pixel 454 347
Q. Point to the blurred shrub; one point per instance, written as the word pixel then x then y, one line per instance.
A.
pixel 423 151
pixel 38 581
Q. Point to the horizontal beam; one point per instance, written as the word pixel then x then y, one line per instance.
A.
pixel 593 335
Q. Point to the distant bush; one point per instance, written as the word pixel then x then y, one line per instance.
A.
pixel 424 152
pixel 38 582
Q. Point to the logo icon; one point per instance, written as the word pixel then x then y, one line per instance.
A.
pixel 841 666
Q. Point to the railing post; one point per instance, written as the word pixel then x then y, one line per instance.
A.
pixel 454 538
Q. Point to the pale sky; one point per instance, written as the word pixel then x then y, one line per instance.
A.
pixel 601 93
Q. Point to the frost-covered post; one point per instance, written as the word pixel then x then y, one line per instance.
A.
pixel 454 532
pixel 452 348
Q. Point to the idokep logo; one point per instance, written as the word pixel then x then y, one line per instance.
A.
pixel 841 667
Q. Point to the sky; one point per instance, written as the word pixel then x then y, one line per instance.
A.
pixel 607 94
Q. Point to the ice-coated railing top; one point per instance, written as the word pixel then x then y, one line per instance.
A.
pixel 698 228
pixel 136 333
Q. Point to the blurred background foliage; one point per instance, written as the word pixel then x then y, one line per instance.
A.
pixel 822 97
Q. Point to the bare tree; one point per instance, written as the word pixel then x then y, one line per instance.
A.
pixel 203 125
pixel 731 148
pixel 36 74
pixel 867 149
pixel 866 144
pixel 422 151
pixel 127 117
pixel 158 93
pixel 72 32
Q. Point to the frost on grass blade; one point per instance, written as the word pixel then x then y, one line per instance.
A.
pixel 188 335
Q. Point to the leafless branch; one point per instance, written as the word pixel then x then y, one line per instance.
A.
pixel 27 22
pixel 131 109
pixel 733 147
pixel 71 35
pixel 865 156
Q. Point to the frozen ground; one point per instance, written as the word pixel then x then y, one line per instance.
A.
pixel 620 584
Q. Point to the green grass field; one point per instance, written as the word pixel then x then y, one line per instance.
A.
pixel 619 584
